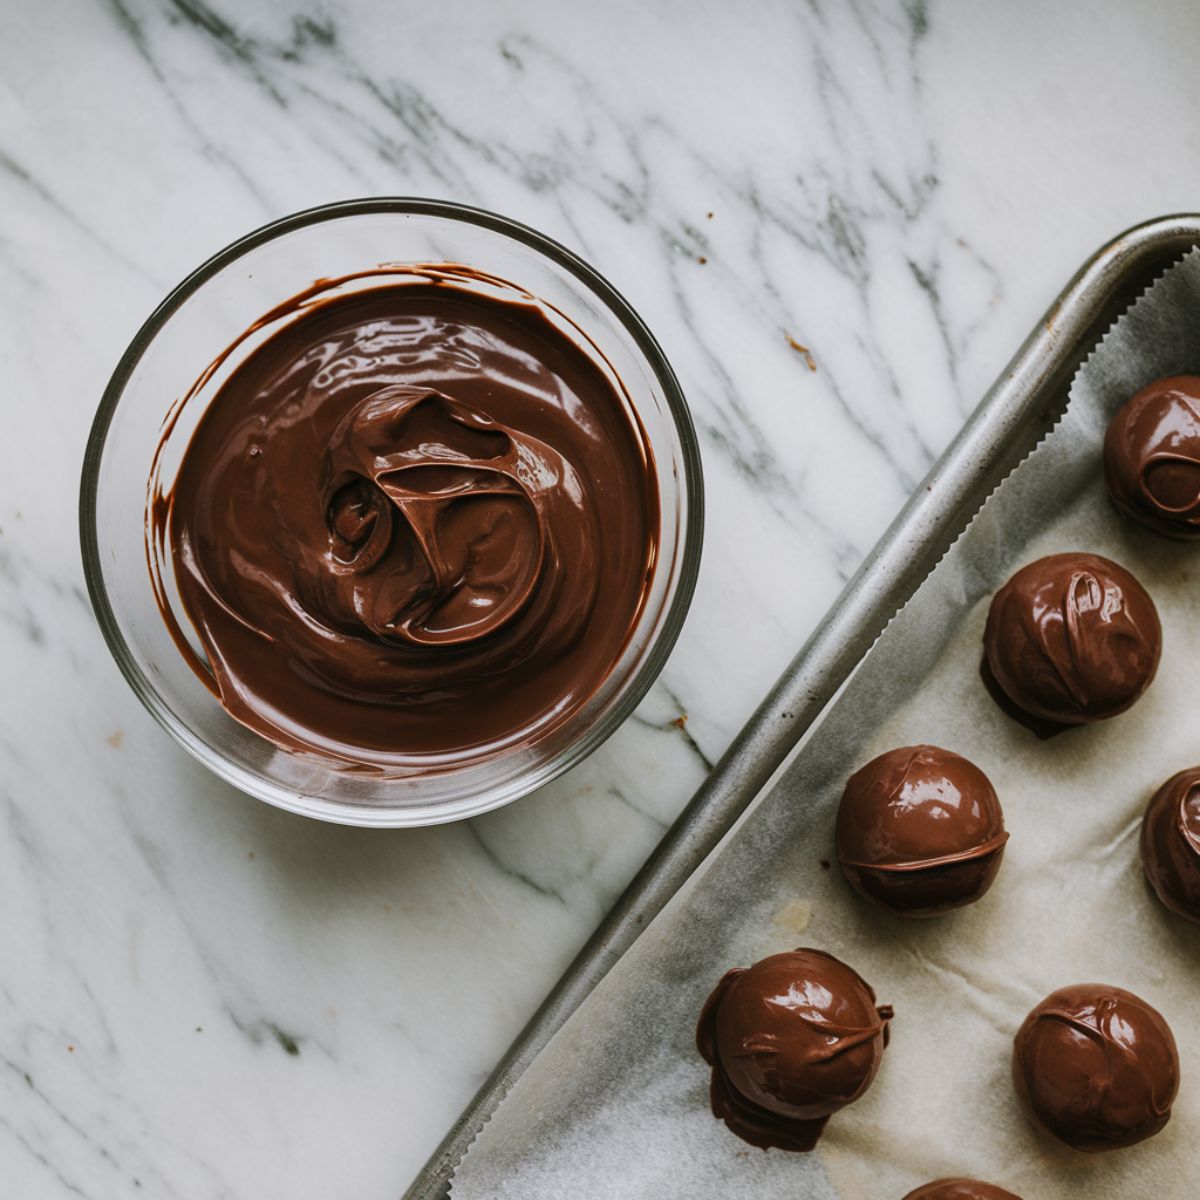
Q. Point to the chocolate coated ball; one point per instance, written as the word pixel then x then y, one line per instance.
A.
pixel 1071 639
pixel 1152 457
pixel 790 1040
pixel 960 1189
pixel 1096 1066
pixel 920 831
pixel 1170 843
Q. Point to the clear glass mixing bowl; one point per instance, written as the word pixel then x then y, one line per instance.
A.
pixel 207 313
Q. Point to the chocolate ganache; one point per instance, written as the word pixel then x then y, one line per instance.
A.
pixel 417 521
pixel 960 1189
pixel 1170 843
pixel 790 1041
pixel 1152 457
pixel 1096 1066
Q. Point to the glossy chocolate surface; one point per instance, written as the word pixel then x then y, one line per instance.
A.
pixel 920 831
pixel 417 520
pixel 1096 1066
pixel 1071 639
pixel 1170 843
pixel 960 1189
pixel 1152 457
pixel 790 1040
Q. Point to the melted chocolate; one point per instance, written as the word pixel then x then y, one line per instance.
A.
pixel 1170 843
pixel 920 831
pixel 1152 457
pixel 1096 1066
pixel 960 1189
pixel 1071 639
pixel 790 1040
pixel 417 521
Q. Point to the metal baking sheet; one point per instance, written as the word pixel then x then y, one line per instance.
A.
pixel 1018 410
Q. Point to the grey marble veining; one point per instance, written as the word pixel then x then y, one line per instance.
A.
pixel 838 217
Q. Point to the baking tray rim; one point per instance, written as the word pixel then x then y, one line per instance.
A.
pixel 1025 402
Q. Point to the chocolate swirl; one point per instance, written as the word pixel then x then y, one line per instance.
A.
pixel 1170 843
pixel 920 831
pixel 1152 457
pixel 416 522
pixel 1070 639
pixel 790 1041
pixel 443 524
pixel 1096 1066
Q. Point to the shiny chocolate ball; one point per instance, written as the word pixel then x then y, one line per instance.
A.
pixel 1071 639
pixel 1097 1067
pixel 790 1041
pixel 920 831
pixel 1152 457
pixel 1170 843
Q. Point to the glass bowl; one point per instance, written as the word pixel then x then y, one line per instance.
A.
pixel 140 410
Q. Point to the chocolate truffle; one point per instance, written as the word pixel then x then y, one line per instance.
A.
pixel 1171 843
pixel 1070 639
pixel 790 1040
pixel 1096 1066
pixel 1152 457
pixel 960 1189
pixel 920 831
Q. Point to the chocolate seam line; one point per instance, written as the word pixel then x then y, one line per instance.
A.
pixel 1065 1017
pixel 983 850
pixel 848 1036
pixel 755 1108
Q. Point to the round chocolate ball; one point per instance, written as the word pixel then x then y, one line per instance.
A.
pixel 790 1040
pixel 1071 639
pixel 1171 843
pixel 1096 1066
pixel 960 1189
pixel 1152 457
pixel 920 831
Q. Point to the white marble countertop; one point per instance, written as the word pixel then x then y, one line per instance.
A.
pixel 203 997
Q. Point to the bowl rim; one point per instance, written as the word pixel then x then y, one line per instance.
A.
pixel 338 811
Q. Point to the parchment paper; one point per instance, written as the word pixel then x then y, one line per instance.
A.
pixel 617 1105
